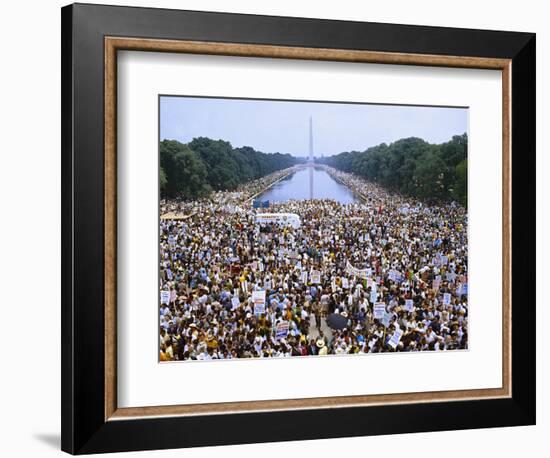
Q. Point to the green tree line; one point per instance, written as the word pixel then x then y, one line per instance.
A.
pixel 412 167
pixel 195 169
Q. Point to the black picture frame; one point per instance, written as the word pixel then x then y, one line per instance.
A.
pixel 84 429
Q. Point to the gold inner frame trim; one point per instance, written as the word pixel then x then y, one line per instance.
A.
pixel 114 44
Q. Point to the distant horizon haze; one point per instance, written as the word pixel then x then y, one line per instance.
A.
pixel 273 126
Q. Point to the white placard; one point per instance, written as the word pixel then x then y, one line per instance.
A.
pixel 361 273
pixel 379 309
pixel 281 330
pixel 373 295
pixel 285 219
pixel 235 302
pixel 165 297
pixel 258 299
pixel 395 338
pixel 315 277
pixel 386 319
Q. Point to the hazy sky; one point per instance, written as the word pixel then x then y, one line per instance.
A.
pixel 282 126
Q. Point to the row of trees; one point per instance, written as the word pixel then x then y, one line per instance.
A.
pixel 195 169
pixel 412 167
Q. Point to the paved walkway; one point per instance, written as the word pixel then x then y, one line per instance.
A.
pixel 314 332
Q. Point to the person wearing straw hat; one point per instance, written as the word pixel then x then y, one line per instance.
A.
pixel 322 347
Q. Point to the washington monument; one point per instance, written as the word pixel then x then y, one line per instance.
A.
pixel 310 139
pixel 310 160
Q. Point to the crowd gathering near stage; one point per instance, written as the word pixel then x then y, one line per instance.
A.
pixel 390 271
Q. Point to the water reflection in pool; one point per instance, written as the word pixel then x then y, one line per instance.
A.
pixel 309 183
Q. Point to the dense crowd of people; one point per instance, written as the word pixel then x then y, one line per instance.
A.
pixel 392 269
pixel 240 197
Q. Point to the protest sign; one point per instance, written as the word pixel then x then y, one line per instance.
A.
pixel 258 298
pixel 345 283
pixel 446 298
pixel 379 310
pixel 395 338
pixel 361 273
pixel 281 330
pixel 304 277
pixel 436 284
pixel 395 276
pixel 165 297
pixel 373 295
pixel 235 302
pixel 386 319
pixel 409 305
pixel 315 276
pixel 285 219
pixel 462 289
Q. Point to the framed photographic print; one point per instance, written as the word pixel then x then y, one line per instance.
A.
pixel 281 228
